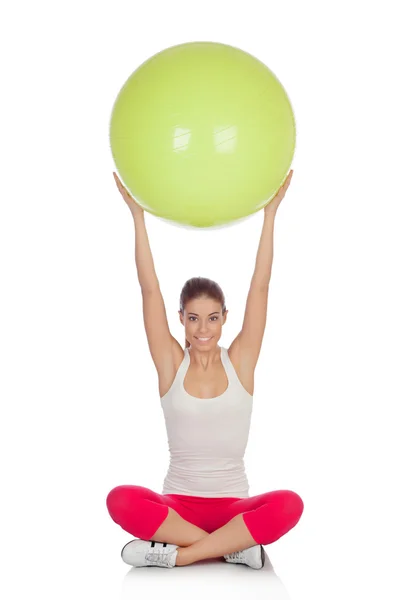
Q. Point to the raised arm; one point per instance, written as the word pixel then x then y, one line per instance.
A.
pixel 247 344
pixel 161 343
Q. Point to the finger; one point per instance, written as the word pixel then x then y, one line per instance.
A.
pixel 288 180
pixel 117 179
pixel 119 184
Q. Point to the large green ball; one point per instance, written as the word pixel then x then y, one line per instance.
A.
pixel 202 134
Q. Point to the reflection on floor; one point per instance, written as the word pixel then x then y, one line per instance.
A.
pixel 202 578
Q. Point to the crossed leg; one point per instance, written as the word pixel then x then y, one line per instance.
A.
pixel 148 515
pixel 248 521
pixel 261 519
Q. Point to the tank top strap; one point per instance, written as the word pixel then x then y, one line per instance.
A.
pixel 229 368
pixel 182 370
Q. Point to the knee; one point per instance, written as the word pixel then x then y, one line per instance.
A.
pixel 294 505
pixel 121 498
pixel 116 500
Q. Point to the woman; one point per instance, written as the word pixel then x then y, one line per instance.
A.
pixel 206 394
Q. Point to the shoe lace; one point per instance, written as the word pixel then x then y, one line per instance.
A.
pixel 237 555
pixel 159 555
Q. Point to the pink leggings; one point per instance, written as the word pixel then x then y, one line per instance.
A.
pixel 140 511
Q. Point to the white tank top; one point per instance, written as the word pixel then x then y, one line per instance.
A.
pixel 207 437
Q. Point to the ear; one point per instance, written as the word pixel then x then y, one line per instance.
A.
pixel 224 317
pixel 181 317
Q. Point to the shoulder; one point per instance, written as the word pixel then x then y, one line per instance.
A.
pixel 243 369
pixel 167 373
pixel 234 356
pixel 178 353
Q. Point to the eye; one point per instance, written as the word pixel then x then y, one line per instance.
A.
pixel 191 318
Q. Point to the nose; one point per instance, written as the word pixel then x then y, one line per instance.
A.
pixel 204 332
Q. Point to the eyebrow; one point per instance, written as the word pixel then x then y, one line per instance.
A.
pixel 197 315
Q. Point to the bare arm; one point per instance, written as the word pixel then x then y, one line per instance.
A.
pixel 248 342
pixel 161 342
pixel 143 256
pixel 246 346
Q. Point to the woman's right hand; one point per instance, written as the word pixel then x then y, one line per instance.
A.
pixel 131 203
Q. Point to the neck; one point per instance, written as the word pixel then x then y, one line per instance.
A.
pixel 204 359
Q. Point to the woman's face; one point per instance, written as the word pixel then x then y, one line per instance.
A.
pixel 203 319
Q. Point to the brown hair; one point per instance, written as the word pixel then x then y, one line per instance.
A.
pixel 198 287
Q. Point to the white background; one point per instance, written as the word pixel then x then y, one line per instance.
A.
pixel 80 411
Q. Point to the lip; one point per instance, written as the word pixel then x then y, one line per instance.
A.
pixel 203 342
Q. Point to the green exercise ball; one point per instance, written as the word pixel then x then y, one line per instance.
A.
pixel 202 134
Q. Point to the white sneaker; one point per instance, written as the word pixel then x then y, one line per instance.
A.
pixel 142 553
pixel 252 557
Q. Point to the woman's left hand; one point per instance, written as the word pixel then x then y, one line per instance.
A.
pixel 272 206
